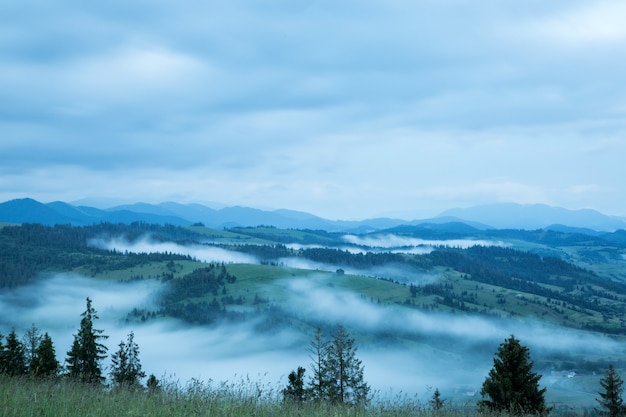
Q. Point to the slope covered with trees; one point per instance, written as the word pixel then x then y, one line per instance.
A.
pixel 487 280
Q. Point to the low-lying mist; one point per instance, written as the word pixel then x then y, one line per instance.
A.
pixel 204 253
pixel 395 243
pixel 403 350
pixel 208 253
pixel 167 347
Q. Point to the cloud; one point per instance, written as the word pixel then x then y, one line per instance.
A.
pixel 133 74
pixel 317 297
pixel 167 347
pixel 403 350
pixel 203 253
pixel 587 24
pixel 403 243
pixel 302 105
pixel 54 304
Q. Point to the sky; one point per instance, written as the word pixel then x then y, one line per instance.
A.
pixel 346 110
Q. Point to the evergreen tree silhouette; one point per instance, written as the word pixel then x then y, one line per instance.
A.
pixel 84 358
pixel 512 386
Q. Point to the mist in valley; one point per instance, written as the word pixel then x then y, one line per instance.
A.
pixel 396 243
pixel 403 350
pixel 203 253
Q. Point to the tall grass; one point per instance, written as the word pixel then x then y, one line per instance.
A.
pixel 26 397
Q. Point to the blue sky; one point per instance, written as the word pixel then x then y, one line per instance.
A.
pixel 346 109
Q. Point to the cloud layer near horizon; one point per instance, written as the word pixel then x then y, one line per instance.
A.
pixel 344 110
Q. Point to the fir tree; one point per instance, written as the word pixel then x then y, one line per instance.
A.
pixel 45 362
pixel 32 338
pixel 611 399
pixel 126 370
pixel 344 371
pixel 14 356
pixel 317 352
pixel 511 385
pixel 153 384
pixel 295 391
pixel 84 358
pixel 436 402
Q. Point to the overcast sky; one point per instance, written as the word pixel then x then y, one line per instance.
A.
pixel 345 109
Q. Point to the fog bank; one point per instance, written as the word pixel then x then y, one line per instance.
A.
pixel 204 253
pixel 403 350
pixel 404 243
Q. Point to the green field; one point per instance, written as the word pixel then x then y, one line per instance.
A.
pixel 268 283
pixel 22 397
pixel 227 237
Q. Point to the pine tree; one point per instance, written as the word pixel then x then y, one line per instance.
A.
pixel 511 385
pixel 317 352
pixel 153 384
pixel 45 362
pixel 295 391
pixel 83 359
pixel 345 372
pixel 14 356
pixel 126 370
pixel 436 402
pixel 31 341
pixel 611 399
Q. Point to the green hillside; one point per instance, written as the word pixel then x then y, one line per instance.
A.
pixel 390 298
pixel 492 281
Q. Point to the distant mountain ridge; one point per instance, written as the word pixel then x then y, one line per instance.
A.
pixel 498 216
pixel 537 216
pixel 28 210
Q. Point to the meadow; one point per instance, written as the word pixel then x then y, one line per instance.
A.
pixel 28 397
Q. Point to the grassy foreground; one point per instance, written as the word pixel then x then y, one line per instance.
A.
pixel 25 397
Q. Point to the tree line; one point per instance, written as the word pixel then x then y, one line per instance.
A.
pixel 337 375
pixel 29 249
pixel 35 355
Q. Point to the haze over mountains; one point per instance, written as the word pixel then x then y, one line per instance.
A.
pixel 500 216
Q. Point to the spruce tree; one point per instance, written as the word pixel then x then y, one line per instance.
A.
pixel 512 386
pixel 32 338
pixel 84 358
pixel 126 370
pixel 14 356
pixel 317 352
pixel 45 363
pixel 611 399
pixel 436 402
pixel 344 370
pixel 153 384
pixel 295 391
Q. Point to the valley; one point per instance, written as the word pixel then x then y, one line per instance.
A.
pixel 427 296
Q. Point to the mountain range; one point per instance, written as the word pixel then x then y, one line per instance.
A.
pixel 499 216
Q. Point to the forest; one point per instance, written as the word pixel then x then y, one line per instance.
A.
pixel 202 293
